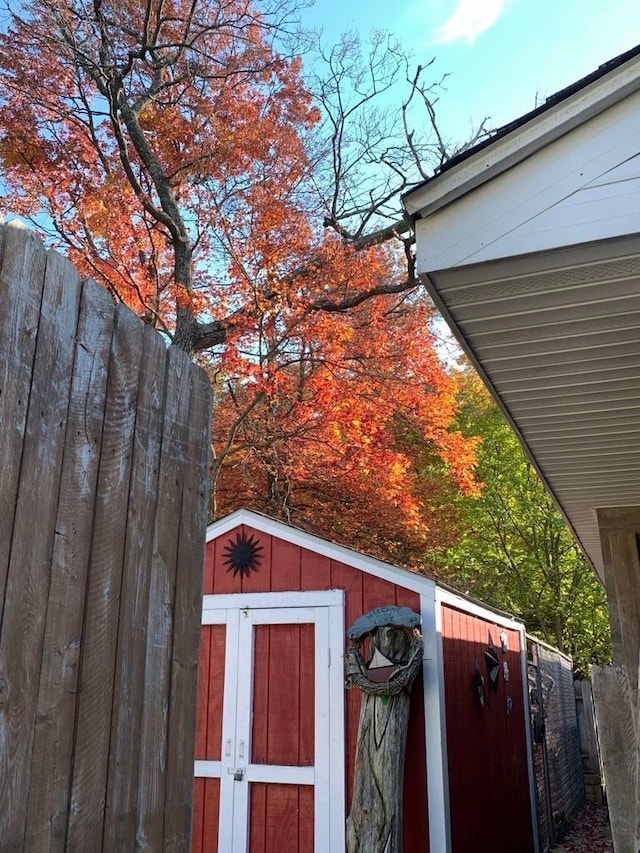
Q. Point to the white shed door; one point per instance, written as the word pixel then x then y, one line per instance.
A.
pixel 282 753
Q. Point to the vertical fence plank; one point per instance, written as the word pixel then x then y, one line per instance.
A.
pixel 127 721
pixel 27 584
pixel 103 445
pixel 103 591
pixel 188 608
pixel 55 726
pixel 21 282
pixel 153 746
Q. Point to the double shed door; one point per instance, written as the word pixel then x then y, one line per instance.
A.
pixel 270 748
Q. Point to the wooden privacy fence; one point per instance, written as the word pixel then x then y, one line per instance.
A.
pixel 104 436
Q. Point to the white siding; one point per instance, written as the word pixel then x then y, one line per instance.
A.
pixel 557 197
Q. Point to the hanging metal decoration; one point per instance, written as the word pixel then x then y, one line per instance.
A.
pixel 243 555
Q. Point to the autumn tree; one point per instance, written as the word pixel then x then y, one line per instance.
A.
pixel 356 417
pixel 176 152
pixel 516 550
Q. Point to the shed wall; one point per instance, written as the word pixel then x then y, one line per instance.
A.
pixel 285 566
pixel 489 796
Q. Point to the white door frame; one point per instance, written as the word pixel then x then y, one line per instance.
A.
pixel 240 612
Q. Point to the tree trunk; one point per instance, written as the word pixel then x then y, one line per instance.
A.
pixel 375 822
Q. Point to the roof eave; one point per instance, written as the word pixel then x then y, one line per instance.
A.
pixel 524 140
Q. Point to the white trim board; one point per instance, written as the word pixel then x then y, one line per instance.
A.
pixel 337 553
pixel 435 727
pixel 473 608
pixel 525 140
pixel 528 208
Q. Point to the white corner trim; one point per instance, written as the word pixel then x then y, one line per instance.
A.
pixel 435 727
pixel 218 603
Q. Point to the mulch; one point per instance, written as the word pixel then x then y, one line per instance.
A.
pixel 589 832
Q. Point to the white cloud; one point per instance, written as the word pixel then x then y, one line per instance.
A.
pixel 469 19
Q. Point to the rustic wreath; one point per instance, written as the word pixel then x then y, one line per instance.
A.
pixel 357 672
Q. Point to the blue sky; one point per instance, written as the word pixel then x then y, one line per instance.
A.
pixel 501 55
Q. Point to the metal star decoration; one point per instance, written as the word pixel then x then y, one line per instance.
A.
pixel 243 555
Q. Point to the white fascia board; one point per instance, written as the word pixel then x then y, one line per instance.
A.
pixel 525 140
pixel 339 553
pixel 476 608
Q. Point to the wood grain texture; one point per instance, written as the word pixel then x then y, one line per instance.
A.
pixel 57 699
pixel 88 565
pixel 127 718
pixel 625 568
pixel 21 283
pixel 376 820
pixel 617 735
pixel 160 623
pixel 194 477
pixel 98 659
pixel 29 569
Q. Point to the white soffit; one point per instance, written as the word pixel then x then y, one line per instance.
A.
pixel 557 338
pixel 530 247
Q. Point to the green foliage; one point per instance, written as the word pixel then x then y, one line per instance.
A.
pixel 516 551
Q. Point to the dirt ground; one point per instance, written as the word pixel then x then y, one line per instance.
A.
pixel 589 832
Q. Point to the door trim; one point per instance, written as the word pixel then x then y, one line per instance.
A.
pixel 326 610
pixel 270 600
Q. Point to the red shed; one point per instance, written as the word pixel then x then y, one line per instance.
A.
pixel 276 733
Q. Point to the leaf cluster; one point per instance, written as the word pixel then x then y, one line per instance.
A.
pixel 517 552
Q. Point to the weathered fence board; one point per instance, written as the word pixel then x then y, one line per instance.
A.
pixel 127 723
pixel 104 436
pixel 27 585
pixel 153 747
pixel 616 730
pixel 186 635
pixel 49 795
pixel 103 593
pixel 21 283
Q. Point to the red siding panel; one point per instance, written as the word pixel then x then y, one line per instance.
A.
pixel 281 819
pixel 258 580
pixel 217 637
pixel 306 821
pixel 203 692
pixel 488 773
pixel 211 816
pixel 315 570
pixel 415 823
pixel 198 816
pixel 283 706
pixel 306 754
pixel 285 566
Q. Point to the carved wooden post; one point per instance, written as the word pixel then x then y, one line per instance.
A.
pixel 375 822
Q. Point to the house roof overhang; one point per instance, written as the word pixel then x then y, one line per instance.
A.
pixel 530 247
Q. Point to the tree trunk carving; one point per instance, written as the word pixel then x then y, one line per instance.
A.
pixel 375 822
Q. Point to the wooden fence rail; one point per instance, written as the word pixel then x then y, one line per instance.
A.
pixel 104 437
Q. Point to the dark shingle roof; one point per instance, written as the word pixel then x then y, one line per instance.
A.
pixel 551 101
